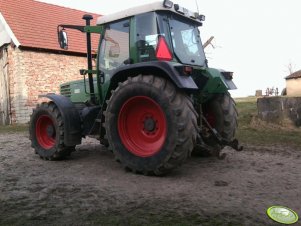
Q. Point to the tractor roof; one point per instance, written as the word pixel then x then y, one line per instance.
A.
pixel 155 6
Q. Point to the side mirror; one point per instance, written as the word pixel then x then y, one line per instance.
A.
pixel 114 51
pixel 63 39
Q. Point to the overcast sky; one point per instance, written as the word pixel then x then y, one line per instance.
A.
pixel 256 39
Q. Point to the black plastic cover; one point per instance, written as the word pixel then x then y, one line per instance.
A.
pixel 71 118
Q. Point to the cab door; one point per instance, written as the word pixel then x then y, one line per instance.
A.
pixel 114 49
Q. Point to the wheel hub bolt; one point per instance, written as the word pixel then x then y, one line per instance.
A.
pixel 50 131
pixel 149 124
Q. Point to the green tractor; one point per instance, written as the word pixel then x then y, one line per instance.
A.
pixel 151 99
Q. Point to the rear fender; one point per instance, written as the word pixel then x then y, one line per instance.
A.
pixel 219 81
pixel 71 119
pixel 160 68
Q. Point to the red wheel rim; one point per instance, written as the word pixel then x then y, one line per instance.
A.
pixel 142 126
pixel 45 132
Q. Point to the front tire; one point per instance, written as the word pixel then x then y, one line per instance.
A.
pixel 151 127
pixel 47 132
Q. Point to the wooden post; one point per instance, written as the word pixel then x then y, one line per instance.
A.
pixel 208 42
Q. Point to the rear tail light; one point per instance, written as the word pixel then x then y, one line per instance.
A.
pixel 163 52
pixel 187 70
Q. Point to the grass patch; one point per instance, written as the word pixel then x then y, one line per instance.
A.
pixel 254 131
pixel 14 128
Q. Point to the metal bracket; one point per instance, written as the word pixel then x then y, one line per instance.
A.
pixel 233 144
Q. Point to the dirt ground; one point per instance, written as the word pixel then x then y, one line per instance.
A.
pixel 90 188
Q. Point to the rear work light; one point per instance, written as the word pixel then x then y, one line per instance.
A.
pixel 168 4
pixel 180 9
pixel 163 52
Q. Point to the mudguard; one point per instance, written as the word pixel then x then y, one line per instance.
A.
pixel 219 81
pixel 227 77
pixel 71 118
pixel 167 69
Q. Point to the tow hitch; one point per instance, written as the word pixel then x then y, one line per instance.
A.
pixel 216 150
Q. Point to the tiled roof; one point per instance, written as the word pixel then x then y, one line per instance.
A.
pixel 296 74
pixel 34 24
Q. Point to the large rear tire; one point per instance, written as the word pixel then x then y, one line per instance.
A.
pixel 222 115
pixel 47 132
pixel 151 127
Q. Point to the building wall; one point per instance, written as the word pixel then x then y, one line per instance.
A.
pixel 293 87
pixel 33 73
pixel 4 89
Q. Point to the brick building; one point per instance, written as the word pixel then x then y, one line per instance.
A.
pixel 293 84
pixel 31 62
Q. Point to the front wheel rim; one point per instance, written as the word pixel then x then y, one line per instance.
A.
pixel 142 126
pixel 45 132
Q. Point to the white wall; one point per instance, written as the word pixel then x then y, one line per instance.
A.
pixel 4 88
pixel 4 37
pixel 293 87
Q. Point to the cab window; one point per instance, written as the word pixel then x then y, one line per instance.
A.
pixel 114 49
pixel 146 37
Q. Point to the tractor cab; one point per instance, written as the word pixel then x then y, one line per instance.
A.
pixel 164 34
pixel 144 35
pixel 154 32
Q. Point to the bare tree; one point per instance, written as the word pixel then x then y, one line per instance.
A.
pixel 291 68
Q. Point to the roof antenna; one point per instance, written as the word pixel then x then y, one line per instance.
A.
pixel 197 6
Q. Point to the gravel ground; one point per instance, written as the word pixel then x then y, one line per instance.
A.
pixel 90 188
